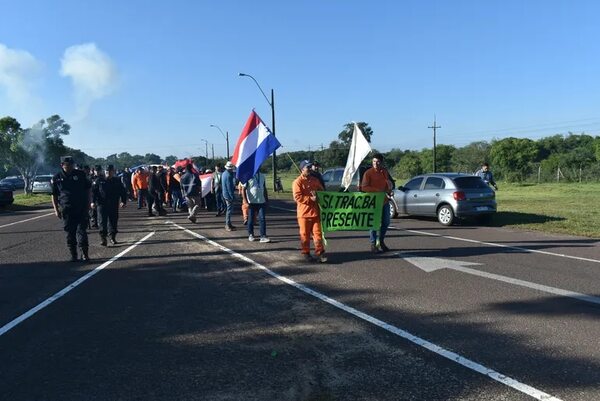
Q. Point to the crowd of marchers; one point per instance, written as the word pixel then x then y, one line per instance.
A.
pixel 87 198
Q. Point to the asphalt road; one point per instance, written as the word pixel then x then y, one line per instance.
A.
pixel 192 312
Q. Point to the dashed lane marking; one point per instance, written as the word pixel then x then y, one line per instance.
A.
pixel 26 220
pixel 10 325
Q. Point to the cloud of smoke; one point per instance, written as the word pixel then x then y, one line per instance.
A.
pixel 92 73
pixel 18 72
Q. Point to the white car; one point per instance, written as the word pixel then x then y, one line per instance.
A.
pixel 42 184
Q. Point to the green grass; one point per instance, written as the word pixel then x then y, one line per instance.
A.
pixel 553 208
pixel 24 201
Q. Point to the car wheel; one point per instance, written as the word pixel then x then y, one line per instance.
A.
pixel 445 215
pixel 393 211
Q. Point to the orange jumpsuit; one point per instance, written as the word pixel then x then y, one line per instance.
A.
pixel 139 181
pixel 307 212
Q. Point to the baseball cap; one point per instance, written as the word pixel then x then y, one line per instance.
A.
pixel 66 159
pixel 305 163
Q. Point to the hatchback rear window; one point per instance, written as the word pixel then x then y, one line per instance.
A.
pixel 470 183
pixel 42 179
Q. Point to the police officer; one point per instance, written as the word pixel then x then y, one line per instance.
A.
pixel 96 173
pixel 70 199
pixel 106 193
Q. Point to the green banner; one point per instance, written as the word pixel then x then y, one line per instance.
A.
pixel 350 211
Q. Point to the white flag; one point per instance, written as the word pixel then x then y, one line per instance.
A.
pixel 206 180
pixel 359 149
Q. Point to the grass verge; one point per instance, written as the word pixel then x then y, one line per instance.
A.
pixel 32 201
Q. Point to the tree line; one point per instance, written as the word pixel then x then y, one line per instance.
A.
pixel 35 150
pixel 571 157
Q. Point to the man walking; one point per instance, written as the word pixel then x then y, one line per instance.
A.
pixel 191 188
pixel 217 189
pixel 228 183
pixel 154 190
pixel 70 199
pixel 486 175
pixel 305 189
pixel 255 194
pixel 107 191
pixel 140 188
pixel 377 179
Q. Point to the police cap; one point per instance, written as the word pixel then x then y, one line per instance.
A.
pixel 110 167
pixel 66 159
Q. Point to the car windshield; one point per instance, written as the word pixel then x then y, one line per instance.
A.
pixel 470 183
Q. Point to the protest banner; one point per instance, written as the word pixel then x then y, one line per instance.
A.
pixel 350 211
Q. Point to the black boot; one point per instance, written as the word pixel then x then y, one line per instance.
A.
pixel 73 251
pixel 103 240
pixel 84 254
pixel 113 239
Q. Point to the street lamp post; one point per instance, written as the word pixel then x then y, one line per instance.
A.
pixel 272 104
pixel 225 135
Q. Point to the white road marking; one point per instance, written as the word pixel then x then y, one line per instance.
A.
pixel 518 248
pixel 433 264
pixel 282 208
pixel 10 325
pixel 454 357
pixel 23 221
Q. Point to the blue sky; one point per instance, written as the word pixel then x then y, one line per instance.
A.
pixel 144 76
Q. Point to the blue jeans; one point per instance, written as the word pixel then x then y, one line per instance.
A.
pixel 176 199
pixel 228 212
pixel 142 194
pixel 260 209
pixel 219 201
pixel 385 223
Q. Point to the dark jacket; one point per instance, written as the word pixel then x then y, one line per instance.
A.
pixel 72 190
pixel 108 191
pixel 190 184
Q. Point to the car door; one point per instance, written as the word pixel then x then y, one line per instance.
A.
pixel 408 197
pixel 429 196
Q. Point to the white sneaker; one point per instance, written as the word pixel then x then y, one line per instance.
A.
pixel 251 238
pixel 264 239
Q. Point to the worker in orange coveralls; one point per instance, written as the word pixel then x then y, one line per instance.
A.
pixel 307 211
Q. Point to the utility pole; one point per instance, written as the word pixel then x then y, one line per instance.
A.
pixel 435 127
pixel 213 150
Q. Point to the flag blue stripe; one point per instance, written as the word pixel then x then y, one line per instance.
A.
pixel 250 166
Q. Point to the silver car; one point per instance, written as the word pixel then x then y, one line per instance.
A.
pixel 42 184
pixel 445 195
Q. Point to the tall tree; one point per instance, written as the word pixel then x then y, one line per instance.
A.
pixel 513 157
pixel 408 166
pixel 10 130
pixel 469 158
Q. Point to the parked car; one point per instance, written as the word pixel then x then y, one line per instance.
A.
pixel 6 195
pixel 42 184
pixel 445 195
pixel 14 182
pixel 333 179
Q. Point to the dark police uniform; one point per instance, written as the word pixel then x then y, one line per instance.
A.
pixel 106 194
pixel 72 191
pixel 93 211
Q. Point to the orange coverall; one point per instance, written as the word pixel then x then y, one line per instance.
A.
pixel 307 212
pixel 139 181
